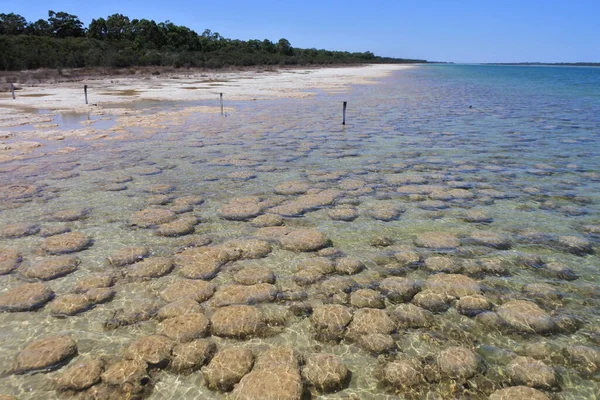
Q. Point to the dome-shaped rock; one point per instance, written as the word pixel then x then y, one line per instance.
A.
pixel 45 354
pixel 326 372
pixel 227 368
pixel 238 321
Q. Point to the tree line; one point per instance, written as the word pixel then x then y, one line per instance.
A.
pixel 62 41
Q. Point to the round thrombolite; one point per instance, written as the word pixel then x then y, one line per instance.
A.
pixel 473 305
pixel 525 316
pixel 585 359
pixel 370 298
pixel 275 375
pixel 432 301
pixel 408 258
pixel 368 321
pixel 378 343
pixel 100 295
pixel 343 213
pixel 243 294
pixel 292 187
pixel 196 290
pixel 385 212
pixel 128 376
pixel 159 188
pixel 69 242
pixel 253 275
pixel 531 372
pixel 179 307
pixel 411 316
pixel 518 393
pixel 181 209
pixel 203 262
pixel 303 240
pixel 240 210
pixel 238 321
pixel 135 312
pixel 82 374
pixel 403 373
pixel 128 255
pixel 27 297
pixel 542 291
pixel 45 354
pixel 192 355
pixel 185 328
pixel 151 217
pixel 18 230
pixel 192 200
pixel 348 266
pixel 93 282
pixel 576 245
pixel 51 268
pixel 458 363
pixel 443 264
pixel 246 249
pixel 70 304
pixel 69 215
pixel 381 241
pixel 155 350
pixel 491 239
pixel 159 200
pixel 399 290
pixel 560 271
pixel 477 216
pixel 149 268
pixel 54 230
pixel 454 285
pixel 113 187
pixel 326 372
pixel 267 220
pixel 330 321
pixel 227 367
pixel 181 226
pixel 9 260
pixel 437 240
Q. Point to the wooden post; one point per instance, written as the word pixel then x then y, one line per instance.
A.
pixel 344 113
pixel 85 93
pixel 12 90
pixel 221 97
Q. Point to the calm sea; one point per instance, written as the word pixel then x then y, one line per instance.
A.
pixel 502 159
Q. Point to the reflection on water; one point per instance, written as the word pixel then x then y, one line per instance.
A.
pixel 417 183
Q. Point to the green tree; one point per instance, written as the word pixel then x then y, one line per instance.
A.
pixel 12 24
pixel 97 29
pixel 41 27
pixel 118 27
pixel 65 25
pixel 284 47
pixel 146 34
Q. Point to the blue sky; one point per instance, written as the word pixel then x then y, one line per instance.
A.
pixel 438 30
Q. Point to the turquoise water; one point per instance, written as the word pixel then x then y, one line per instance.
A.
pixel 520 143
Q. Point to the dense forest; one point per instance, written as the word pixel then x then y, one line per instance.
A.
pixel 62 41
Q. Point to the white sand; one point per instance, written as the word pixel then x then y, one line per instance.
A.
pixel 64 97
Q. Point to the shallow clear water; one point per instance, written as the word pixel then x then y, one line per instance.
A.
pixel 521 140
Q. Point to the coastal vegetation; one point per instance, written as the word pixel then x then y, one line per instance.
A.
pixel 62 41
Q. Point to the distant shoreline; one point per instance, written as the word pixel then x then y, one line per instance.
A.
pixel 577 64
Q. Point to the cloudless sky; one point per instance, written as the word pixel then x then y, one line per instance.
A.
pixel 435 30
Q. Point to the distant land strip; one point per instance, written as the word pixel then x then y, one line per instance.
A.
pixel 566 64
pixel 62 41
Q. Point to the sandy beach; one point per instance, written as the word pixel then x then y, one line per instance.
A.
pixel 28 121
